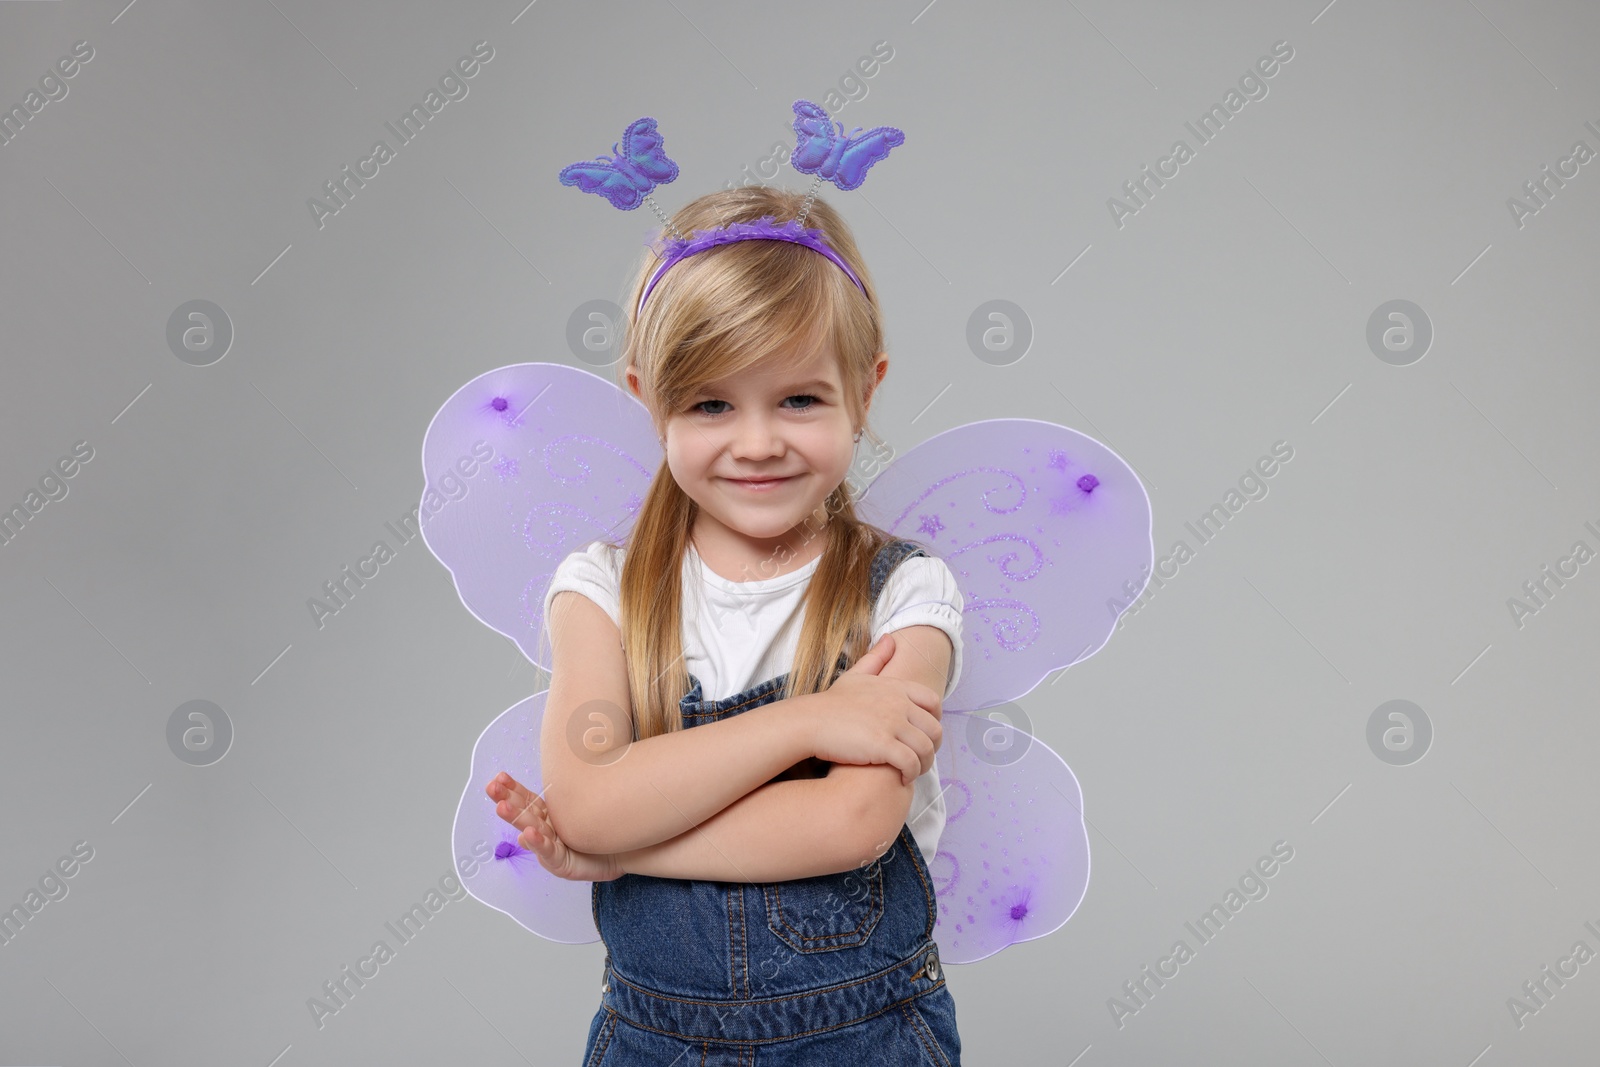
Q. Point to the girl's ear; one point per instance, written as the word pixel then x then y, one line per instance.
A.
pixel 635 388
pixel 879 370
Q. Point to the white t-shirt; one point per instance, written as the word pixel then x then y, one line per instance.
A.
pixel 739 634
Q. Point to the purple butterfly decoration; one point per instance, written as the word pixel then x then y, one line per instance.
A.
pixel 831 153
pixel 1046 530
pixel 628 176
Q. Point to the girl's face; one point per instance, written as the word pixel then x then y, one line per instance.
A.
pixel 786 420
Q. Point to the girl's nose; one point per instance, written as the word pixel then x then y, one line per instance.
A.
pixel 756 438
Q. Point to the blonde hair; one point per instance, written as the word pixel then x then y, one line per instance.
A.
pixel 710 317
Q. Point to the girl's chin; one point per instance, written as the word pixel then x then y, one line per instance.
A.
pixel 761 523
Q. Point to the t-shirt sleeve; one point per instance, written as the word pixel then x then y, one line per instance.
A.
pixel 594 571
pixel 921 590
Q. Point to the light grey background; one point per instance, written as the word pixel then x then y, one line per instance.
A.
pixel 1229 313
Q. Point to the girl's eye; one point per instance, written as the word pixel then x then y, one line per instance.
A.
pixel 700 408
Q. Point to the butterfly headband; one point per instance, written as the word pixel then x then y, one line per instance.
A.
pixel 823 150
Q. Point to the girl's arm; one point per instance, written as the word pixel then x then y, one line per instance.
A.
pixel 794 828
pixel 609 794
pixel 805 827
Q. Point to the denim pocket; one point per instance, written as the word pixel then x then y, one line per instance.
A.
pixel 601 1029
pixel 827 912
pixel 932 1019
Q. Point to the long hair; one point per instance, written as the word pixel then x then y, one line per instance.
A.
pixel 710 317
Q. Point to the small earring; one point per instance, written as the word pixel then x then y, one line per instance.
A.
pixel 857 437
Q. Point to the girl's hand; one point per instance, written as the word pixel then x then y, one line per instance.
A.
pixel 866 718
pixel 529 813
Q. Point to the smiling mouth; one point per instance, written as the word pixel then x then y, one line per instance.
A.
pixel 760 484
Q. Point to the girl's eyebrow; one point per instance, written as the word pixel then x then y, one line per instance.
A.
pixel 816 384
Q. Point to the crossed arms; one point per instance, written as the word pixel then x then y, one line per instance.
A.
pixel 703 802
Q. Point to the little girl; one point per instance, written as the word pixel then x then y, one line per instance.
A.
pixel 761 880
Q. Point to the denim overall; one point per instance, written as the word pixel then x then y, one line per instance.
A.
pixel 834 969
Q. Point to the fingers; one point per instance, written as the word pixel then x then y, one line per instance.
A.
pixel 924 697
pixel 877 655
pixel 904 758
pixel 920 767
pixel 538 838
pixel 925 748
pixel 537 833
pixel 922 753
pixel 521 808
pixel 504 787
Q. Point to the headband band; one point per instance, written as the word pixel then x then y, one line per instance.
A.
pixel 763 229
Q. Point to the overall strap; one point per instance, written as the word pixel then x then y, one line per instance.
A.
pixel 888 558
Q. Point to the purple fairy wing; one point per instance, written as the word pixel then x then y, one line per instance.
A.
pixel 494 868
pixel 525 465
pixel 1012 862
pixel 1047 532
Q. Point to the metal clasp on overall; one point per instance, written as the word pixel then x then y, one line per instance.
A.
pixel 605 975
pixel 930 966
